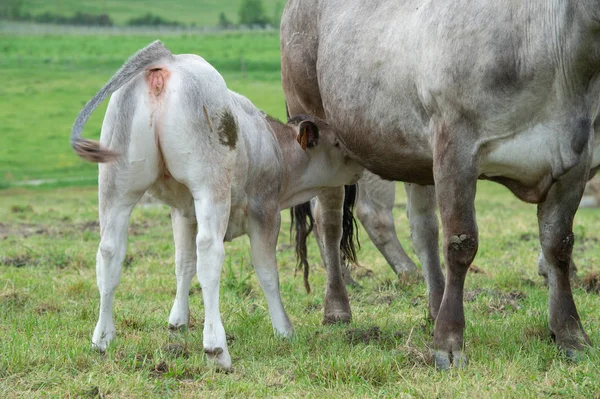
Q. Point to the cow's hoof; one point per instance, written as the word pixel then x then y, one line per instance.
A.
pixel 220 357
pixel 337 318
pixel 444 360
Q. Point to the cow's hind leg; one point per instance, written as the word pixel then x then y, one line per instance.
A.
pixel 455 177
pixel 555 217
pixel 184 233
pixel 263 229
pixel 374 210
pixel 424 231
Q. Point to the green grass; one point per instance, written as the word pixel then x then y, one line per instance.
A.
pixel 200 12
pixel 48 79
pixel 49 306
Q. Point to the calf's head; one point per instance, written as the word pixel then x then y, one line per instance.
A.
pixel 328 160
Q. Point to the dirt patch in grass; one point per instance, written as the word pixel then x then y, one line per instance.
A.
pixel 22 230
pixel 528 237
pixel 313 307
pixel 591 283
pixel 159 369
pixel 476 269
pixel 133 324
pixel 176 350
pixel 93 392
pixel 363 335
pixel 500 301
pixel 13 297
pixel 18 261
pixel 21 209
pixel 45 307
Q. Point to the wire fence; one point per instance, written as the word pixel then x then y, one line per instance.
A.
pixel 37 29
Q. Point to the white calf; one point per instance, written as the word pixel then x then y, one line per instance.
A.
pixel 174 129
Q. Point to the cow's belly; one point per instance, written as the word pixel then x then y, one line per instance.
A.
pixel 527 163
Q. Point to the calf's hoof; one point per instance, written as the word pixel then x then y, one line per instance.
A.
pixel 178 327
pixel 220 357
pixel 444 360
pixel 101 339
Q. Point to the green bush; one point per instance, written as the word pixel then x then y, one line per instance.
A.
pixel 150 19
pixel 252 12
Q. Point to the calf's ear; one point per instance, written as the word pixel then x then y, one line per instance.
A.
pixel 308 134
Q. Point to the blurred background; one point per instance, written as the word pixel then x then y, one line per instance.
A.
pixel 55 54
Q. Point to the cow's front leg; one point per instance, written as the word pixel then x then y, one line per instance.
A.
pixel 374 210
pixel 263 229
pixel 114 219
pixel 424 231
pixel 212 213
pixel 555 217
pixel 328 221
pixel 455 176
pixel 184 234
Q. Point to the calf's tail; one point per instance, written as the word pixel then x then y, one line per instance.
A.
pixel 302 223
pixel 91 150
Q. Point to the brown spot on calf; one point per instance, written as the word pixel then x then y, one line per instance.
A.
pixel 228 129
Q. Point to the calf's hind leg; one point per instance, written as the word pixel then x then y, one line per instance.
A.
pixel 555 218
pixel 263 230
pixel 115 210
pixel 184 233
pixel 212 214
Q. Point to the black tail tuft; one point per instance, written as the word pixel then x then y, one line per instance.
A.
pixel 300 228
pixel 349 225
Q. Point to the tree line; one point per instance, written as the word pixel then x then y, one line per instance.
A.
pixel 250 13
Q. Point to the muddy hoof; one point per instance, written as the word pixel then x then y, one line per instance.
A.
pixel 342 318
pixel 180 327
pixel 574 355
pixel 444 360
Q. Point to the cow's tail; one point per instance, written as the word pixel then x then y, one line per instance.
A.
pixel 91 150
pixel 302 223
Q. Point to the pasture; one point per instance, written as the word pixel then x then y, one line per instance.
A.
pixel 49 300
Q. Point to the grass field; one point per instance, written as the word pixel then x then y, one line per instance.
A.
pixel 200 12
pixel 49 301
pixel 49 306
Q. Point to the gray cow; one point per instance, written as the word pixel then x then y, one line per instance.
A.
pixel 224 167
pixel 449 92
